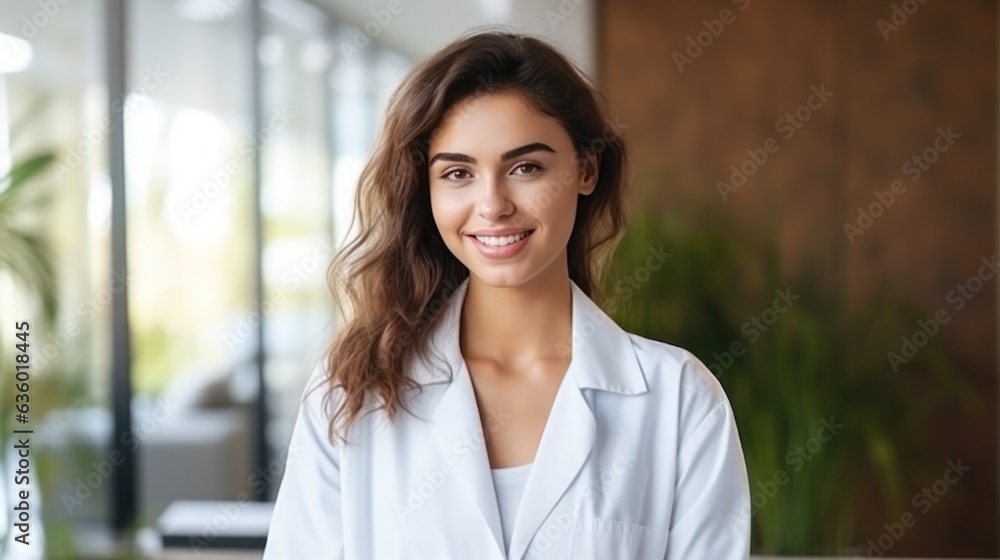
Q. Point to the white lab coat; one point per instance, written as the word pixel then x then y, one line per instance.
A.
pixel 639 459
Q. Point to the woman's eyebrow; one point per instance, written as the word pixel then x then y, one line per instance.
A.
pixel 526 149
pixel 506 156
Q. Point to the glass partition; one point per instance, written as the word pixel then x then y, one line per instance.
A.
pixel 53 106
pixel 189 173
pixel 194 155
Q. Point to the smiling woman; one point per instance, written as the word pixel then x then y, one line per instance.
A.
pixel 488 205
pixel 535 426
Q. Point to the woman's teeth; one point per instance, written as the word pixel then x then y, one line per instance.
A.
pixel 501 241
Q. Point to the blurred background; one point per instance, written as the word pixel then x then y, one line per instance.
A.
pixel 178 173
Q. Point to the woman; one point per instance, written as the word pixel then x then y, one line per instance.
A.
pixel 477 403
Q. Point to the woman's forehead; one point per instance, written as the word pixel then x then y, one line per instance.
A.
pixel 495 123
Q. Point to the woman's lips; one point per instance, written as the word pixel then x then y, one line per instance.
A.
pixel 501 251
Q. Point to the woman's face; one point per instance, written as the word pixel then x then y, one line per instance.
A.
pixel 500 168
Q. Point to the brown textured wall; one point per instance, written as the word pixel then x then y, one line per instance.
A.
pixel 890 96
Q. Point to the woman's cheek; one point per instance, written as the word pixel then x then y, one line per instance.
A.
pixel 543 196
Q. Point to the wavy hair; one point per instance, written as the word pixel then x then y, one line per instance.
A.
pixel 390 281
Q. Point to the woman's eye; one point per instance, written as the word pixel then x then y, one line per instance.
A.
pixel 451 175
pixel 531 168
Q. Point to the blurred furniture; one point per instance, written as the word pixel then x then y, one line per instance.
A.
pixel 211 529
pixel 193 442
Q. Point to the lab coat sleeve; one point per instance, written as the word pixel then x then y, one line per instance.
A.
pixel 307 520
pixel 712 491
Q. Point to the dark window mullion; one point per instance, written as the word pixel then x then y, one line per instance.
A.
pixel 124 500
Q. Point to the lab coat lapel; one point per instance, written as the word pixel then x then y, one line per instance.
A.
pixel 566 442
pixel 602 358
pixel 456 424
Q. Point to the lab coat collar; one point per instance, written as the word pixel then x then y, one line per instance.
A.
pixel 600 347
pixel 602 358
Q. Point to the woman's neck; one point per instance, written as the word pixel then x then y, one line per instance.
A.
pixel 515 327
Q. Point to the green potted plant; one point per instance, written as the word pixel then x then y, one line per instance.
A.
pixel 819 409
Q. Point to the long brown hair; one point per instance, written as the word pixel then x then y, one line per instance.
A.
pixel 390 281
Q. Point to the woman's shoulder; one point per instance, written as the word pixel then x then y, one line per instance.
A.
pixel 316 394
pixel 322 399
pixel 672 371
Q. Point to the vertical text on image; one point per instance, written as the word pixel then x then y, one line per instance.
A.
pixel 21 498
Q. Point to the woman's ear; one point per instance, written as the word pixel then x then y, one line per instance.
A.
pixel 588 174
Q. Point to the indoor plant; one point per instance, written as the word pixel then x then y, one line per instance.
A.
pixel 794 352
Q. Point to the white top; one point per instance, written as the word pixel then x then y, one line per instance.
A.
pixel 509 484
pixel 640 458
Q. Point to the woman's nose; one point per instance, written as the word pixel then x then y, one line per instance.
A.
pixel 494 200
